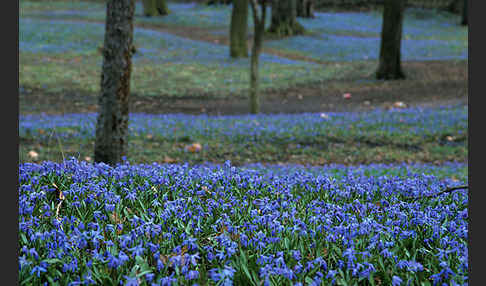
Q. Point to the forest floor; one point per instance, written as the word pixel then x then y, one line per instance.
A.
pixel 44 89
pixel 428 84
pixel 182 67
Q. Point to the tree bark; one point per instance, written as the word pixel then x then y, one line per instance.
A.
pixel 239 29
pixel 284 19
pixel 259 29
pixel 464 14
pixel 155 8
pixel 254 75
pixel 391 36
pixel 162 7
pixel 455 6
pixel 305 8
pixel 149 8
pixel 112 121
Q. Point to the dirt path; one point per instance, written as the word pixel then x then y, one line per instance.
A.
pixel 428 84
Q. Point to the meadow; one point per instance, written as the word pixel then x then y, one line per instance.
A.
pixel 59 44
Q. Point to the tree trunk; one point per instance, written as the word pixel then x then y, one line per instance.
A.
pixel 391 35
pixel 238 29
pixel 305 8
pixel 259 29
pixel 464 14
pixel 455 6
pixel 155 8
pixel 149 8
pixel 112 121
pixel 255 54
pixel 284 19
pixel 162 8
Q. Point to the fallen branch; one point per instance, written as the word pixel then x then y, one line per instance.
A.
pixel 448 190
pixel 61 198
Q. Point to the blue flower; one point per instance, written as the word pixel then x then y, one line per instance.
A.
pixel 131 281
pixel 137 250
pixel 37 270
pixel 192 274
pixel 396 281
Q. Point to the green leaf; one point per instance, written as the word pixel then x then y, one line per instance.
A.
pixel 308 280
pixel 24 239
pixel 51 281
pixel 246 271
pixel 52 260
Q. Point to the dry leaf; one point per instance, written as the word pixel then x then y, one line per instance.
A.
pixel 399 104
pixel 168 159
pixel 116 219
pixel 33 154
pixel 193 148
pixel 235 236
pixel 164 258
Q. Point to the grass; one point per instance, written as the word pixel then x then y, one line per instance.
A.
pixel 187 67
pixel 59 44
pixel 175 224
pixel 425 135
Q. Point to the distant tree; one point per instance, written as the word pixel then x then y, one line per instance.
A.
pixel 284 19
pixel 155 8
pixel 305 8
pixel 391 36
pixel 464 14
pixel 112 120
pixel 455 6
pixel 259 30
pixel 239 29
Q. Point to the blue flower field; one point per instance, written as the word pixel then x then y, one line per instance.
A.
pixel 168 224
